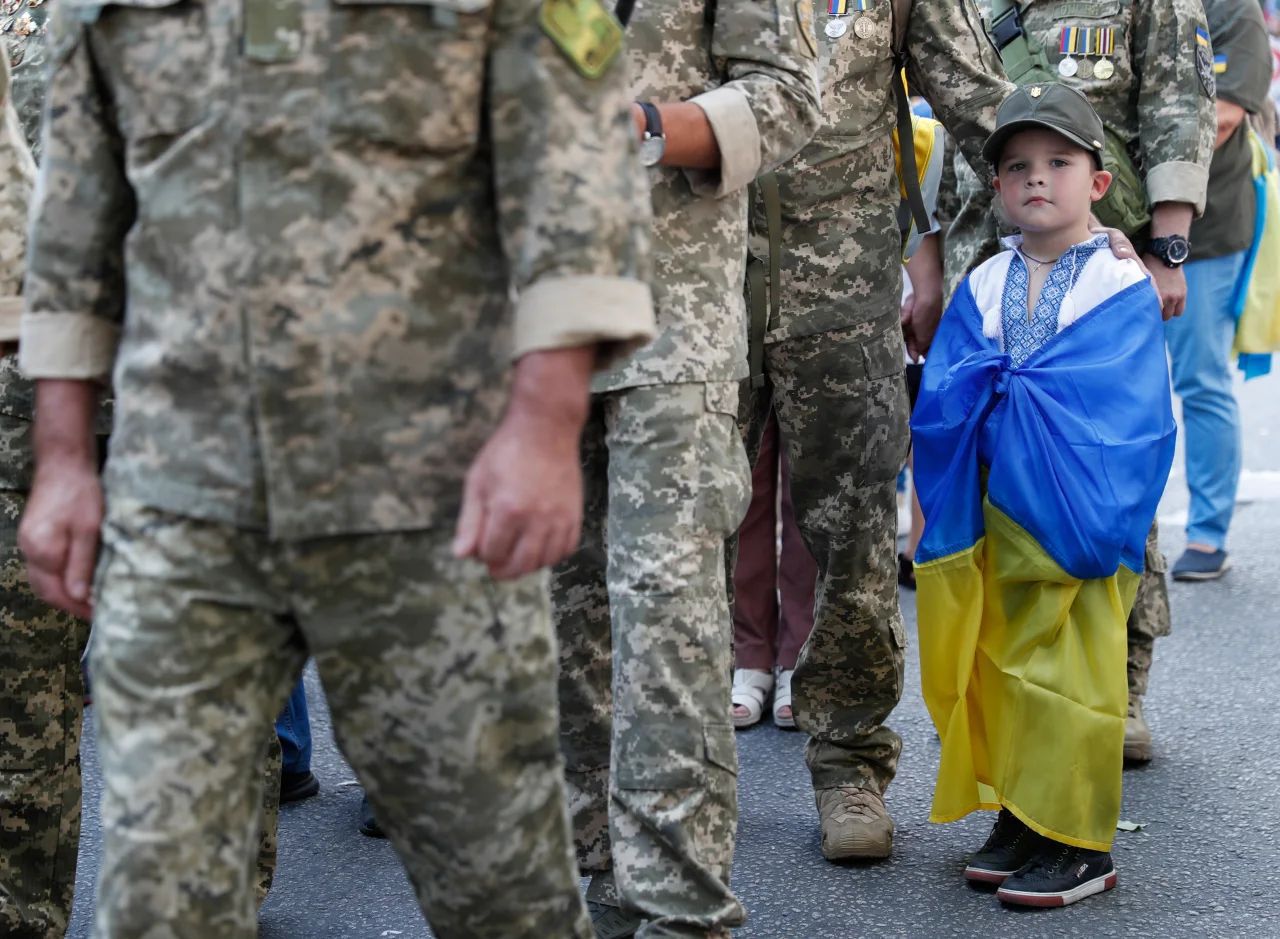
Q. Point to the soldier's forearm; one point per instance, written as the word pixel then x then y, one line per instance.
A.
pixel 1171 218
pixel 65 412
pixel 551 388
pixel 691 143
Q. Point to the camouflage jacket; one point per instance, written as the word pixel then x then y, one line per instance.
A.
pixel 306 238
pixel 1154 94
pixel 840 241
pixel 751 66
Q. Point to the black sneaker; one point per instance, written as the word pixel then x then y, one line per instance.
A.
pixel 369 826
pixel 294 787
pixel 1058 876
pixel 1010 845
pixel 1201 565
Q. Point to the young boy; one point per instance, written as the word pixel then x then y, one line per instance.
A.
pixel 1044 434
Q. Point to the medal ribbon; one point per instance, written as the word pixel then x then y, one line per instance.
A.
pixel 1097 41
pixel 845 7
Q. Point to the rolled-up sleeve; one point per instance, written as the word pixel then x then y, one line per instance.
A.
pixel 573 199
pixel 769 107
pixel 1176 118
pixel 82 209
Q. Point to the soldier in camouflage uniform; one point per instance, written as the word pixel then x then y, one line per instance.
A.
pixel 1153 91
pixel 833 370
pixel 42 696
pixel 667 481
pixel 41 688
pixel 328 212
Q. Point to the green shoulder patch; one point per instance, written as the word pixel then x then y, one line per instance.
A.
pixel 588 34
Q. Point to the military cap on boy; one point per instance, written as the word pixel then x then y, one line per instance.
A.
pixel 1048 105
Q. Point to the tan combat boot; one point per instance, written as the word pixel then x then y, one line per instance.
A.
pixel 1137 735
pixel 855 824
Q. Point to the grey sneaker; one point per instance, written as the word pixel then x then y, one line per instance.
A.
pixel 855 824
pixel 1201 565
pixel 1137 735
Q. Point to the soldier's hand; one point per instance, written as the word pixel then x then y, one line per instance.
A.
pixel 59 535
pixel 1170 284
pixel 522 502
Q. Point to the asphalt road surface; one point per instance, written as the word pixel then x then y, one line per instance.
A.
pixel 1205 863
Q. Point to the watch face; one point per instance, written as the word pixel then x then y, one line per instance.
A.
pixel 651 150
pixel 1178 250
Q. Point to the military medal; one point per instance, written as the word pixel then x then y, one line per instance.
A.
pixel 864 27
pixel 838 25
pixel 1088 42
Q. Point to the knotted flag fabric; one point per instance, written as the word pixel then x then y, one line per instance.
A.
pixel 1038 486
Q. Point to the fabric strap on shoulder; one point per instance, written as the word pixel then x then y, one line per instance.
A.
pixel 906 132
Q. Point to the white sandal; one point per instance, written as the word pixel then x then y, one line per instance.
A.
pixel 782 699
pixel 750 688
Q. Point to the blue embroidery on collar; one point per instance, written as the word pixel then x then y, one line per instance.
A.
pixel 1024 334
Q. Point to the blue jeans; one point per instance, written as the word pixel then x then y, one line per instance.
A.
pixel 293 727
pixel 1200 350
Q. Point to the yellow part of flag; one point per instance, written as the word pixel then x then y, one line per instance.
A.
pixel 1023 671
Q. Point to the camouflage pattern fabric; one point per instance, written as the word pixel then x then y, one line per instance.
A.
pixel 756 58
pixel 41 685
pixel 41 695
pixel 215 622
pixel 1150 618
pixel 843 412
pixel 1151 96
pixel 840 196
pixel 425 183
pixel 667 483
pixel 24 28
pixel 349 246
pixel 667 478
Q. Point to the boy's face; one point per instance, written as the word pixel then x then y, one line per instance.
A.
pixel 1046 182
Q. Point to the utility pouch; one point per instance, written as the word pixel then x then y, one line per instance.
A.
pixel 1125 204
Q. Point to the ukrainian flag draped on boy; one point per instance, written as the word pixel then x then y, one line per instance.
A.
pixel 1038 485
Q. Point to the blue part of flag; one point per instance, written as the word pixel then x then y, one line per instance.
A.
pixel 1077 442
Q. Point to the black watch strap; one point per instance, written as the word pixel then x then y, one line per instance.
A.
pixel 652 119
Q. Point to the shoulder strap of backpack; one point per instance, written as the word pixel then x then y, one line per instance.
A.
pixel 1022 56
pixel 906 132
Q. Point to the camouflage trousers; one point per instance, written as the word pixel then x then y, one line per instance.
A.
pixel 41 699
pixel 842 408
pixel 645 636
pixel 1149 619
pixel 442 686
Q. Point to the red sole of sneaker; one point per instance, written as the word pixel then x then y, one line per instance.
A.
pixel 976 875
pixel 1066 898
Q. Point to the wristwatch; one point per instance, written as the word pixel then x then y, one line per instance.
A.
pixel 654 142
pixel 1173 250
